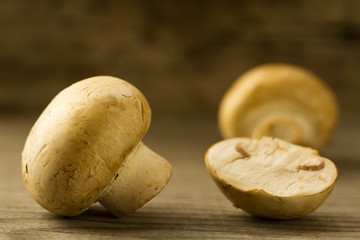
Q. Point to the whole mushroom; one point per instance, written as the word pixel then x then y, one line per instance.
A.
pixel 86 147
pixel 271 178
pixel 282 101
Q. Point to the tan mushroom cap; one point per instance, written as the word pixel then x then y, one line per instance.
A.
pixel 76 147
pixel 279 100
pixel 271 178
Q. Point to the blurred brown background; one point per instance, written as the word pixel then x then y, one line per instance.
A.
pixel 183 55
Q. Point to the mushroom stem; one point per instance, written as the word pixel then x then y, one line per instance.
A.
pixel 285 128
pixel 279 100
pixel 139 180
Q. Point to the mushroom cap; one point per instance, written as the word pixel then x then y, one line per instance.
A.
pixel 79 142
pixel 282 101
pixel 271 178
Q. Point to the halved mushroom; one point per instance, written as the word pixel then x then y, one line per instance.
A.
pixel 271 178
pixel 86 147
pixel 279 100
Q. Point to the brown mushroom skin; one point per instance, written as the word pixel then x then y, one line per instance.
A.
pixel 79 142
pixel 259 203
pixel 279 100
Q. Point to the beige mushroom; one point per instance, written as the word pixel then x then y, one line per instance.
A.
pixel 270 177
pixel 86 147
pixel 279 100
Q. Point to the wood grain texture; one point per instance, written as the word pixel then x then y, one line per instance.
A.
pixel 190 207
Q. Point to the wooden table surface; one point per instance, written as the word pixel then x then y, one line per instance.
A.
pixel 190 206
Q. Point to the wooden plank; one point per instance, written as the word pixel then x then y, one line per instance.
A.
pixel 190 206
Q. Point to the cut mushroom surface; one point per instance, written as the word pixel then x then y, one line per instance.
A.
pixel 82 145
pixel 280 179
pixel 282 101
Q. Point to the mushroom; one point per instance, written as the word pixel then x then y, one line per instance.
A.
pixel 86 147
pixel 282 101
pixel 269 177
